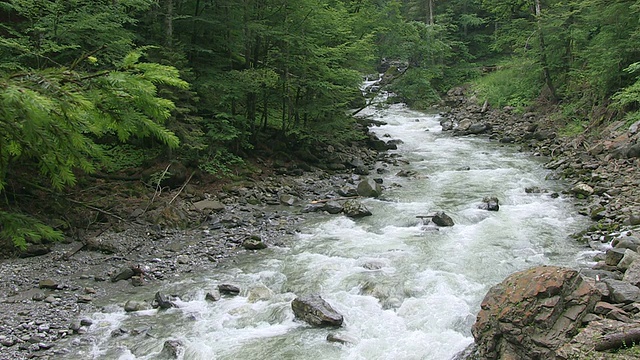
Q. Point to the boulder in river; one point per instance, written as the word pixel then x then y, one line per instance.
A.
pixel 125 273
pixel 134 305
pixel 162 301
pixel 316 311
pixel 369 188
pixel 532 313
pixel 490 203
pixel 172 349
pixel 355 209
pixel 332 207
pixel 442 219
pixel 229 289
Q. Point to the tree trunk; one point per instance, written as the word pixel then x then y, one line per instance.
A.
pixel 168 23
pixel 543 56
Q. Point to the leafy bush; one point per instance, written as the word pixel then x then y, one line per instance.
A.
pixel 220 162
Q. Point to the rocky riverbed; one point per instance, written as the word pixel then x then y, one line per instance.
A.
pixel 44 298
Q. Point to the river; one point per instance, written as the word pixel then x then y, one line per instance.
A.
pixel 407 291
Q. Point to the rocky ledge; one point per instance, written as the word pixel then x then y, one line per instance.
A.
pixel 560 313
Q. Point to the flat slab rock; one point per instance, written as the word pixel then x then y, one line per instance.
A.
pixel 532 313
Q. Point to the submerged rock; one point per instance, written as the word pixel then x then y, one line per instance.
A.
pixel 316 311
pixel 532 313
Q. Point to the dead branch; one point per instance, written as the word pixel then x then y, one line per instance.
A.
pixel 158 188
pixel 97 209
pixel 182 187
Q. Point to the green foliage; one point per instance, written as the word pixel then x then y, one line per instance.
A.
pixel 220 162
pixel 415 88
pixel 629 97
pixel 20 229
pixel 514 84
pixel 51 116
pixel 118 157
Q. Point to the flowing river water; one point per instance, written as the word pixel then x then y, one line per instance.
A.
pixel 406 291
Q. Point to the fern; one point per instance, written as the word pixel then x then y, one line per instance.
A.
pixel 20 229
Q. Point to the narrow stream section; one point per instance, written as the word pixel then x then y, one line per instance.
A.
pixel 406 291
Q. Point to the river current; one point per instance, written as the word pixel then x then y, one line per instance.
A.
pixel 407 291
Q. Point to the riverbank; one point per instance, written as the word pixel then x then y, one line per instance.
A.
pixel 601 165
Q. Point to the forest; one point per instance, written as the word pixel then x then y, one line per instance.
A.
pixel 101 86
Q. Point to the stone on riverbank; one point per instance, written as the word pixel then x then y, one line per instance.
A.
pixel 48 284
pixel 254 242
pixel 316 311
pixel 582 190
pixel 532 313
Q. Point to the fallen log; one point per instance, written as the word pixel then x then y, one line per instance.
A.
pixel 334 199
pixel 618 340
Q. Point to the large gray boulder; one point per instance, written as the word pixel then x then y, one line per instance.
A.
pixel 316 312
pixel 532 313
pixel 626 242
pixel 369 188
pixel 622 291
pixel 332 207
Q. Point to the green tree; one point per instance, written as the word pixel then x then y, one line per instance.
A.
pixel 53 114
